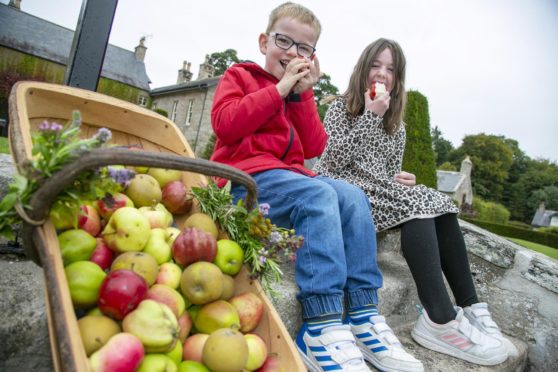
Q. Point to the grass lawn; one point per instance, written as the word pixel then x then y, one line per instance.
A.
pixel 544 249
pixel 4 148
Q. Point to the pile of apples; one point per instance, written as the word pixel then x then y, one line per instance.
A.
pixel 152 297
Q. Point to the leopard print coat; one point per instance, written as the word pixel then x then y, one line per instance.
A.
pixel 360 151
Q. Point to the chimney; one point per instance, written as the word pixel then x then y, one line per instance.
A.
pixel 466 166
pixel 206 70
pixel 184 75
pixel 140 50
pixel 15 4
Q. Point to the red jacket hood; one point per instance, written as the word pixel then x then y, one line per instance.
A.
pixel 257 130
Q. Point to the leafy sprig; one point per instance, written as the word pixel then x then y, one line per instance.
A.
pixel 54 146
pixel 264 243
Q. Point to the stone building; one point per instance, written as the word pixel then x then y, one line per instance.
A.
pixel 188 103
pixel 32 48
pixel 457 184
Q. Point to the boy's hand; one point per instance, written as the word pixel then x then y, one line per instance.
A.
pixel 311 79
pixel 406 178
pixel 296 70
pixel 379 106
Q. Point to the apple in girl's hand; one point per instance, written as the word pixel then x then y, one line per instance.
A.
pixel 110 203
pixel 121 292
pixel 176 197
pixel 257 351
pixel 250 310
pixel 89 220
pixel 102 255
pixel 377 89
pixel 123 352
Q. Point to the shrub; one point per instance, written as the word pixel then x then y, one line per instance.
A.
pixel 160 111
pixel 549 229
pixel 550 240
pixel 490 211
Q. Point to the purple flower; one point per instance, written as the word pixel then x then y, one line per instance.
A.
pixel 45 126
pixel 121 176
pixel 262 260
pixel 275 237
pixel 264 209
pixel 103 135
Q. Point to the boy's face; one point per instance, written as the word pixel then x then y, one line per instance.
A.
pixel 276 59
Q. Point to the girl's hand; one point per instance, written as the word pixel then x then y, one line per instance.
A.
pixel 310 79
pixel 406 178
pixel 379 106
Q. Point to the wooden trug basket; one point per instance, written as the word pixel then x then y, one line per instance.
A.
pixel 30 104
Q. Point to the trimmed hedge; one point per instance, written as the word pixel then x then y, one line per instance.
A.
pixel 550 240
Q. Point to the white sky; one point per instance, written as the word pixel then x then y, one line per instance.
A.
pixel 486 66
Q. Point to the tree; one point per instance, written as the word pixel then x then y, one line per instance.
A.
pixel 323 91
pixel 492 158
pixel 209 147
pixel 442 147
pixel 419 155
pixel 223 60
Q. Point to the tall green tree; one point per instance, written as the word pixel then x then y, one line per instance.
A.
pixel 442 147
pixel 532 187
pixel 324 89
pixel 419 155
pixel 223 60
pixel 492 158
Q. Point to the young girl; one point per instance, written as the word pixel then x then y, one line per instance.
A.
pixel 365 147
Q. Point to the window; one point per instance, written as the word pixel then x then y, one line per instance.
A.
pixel 189 113
pixel 142 101
pixel 174 109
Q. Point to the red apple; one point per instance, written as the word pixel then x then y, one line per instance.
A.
pixel 193 245
pixel 102 255
pixel 123 352
pixel 121 292
pixel 250 310
pixel 110 203
pixel 193 347
pixel 89 220
pixel 176 197
pixel 271 364
pixel 185 323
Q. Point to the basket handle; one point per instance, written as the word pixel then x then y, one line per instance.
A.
pixel 44 197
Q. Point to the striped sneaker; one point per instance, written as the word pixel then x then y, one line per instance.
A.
pixel 479 316
pixel 459 339
pixel 380 346
pixel 334 349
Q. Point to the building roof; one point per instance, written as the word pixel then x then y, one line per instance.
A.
pixel 542 217
pixel 449 181
pixel 182 87
pixel 35 36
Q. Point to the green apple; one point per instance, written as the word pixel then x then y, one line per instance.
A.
pixel 62 216
pixel 215 315
pixel 76 245
pixel 225 350
pixel 192 366
pixel 164 176
pixel 257 351
pixel 127 230
pixel 158 247
pixel 141 263
pixel 157 215
pixel 95 331
pixel 176 353
pixel 154 324
pixel 157 363
pixel 201 282
pixel 84 281
pixel 169 275
pixel 172 233
pixel 144 190
pixel 229 257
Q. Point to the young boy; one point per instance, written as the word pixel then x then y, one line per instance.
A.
pixel 266 124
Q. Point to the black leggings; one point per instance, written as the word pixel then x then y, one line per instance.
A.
pixel 433 246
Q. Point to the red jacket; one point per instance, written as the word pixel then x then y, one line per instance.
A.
pixel 258 130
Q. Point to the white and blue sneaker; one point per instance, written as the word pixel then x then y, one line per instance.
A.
pixel 380 346
pixel 334 349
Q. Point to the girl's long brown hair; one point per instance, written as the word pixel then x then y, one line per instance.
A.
pixel 354 94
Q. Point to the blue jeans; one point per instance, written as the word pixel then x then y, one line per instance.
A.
pixel 338 259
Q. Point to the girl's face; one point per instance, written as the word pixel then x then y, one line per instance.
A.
pixel 382 70
pixel 276 58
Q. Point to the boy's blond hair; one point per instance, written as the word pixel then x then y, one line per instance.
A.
pixel 296 11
